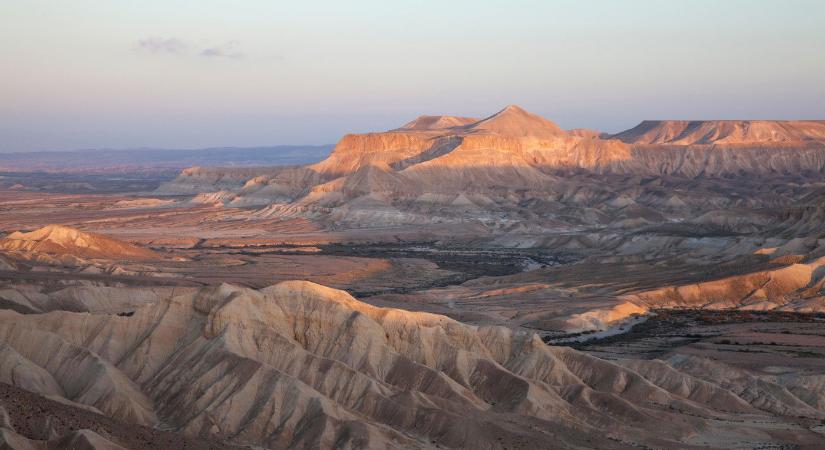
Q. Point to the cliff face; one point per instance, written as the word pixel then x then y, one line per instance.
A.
pixel 731 160
pixel 380 149
pixel 725 148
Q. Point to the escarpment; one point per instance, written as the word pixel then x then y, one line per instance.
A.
pixel 501 156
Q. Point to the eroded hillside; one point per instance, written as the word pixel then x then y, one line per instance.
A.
pixel 298 365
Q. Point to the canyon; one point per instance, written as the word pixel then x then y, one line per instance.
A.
pixel 454 282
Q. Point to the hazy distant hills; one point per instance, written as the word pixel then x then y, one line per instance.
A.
pixel 105 160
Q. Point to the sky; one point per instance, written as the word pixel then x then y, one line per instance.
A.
pixel 207 73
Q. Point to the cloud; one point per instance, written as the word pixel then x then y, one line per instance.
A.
pixel 179 47
pixel 163 45
pixel 227 50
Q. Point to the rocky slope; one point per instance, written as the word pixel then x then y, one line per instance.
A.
pixel 298 365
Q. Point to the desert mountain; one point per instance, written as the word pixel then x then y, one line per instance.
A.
pixel 511 121
pixel 418 142
pixel 514 121
pixel 725 132
pixel 514 142
pixel 299 365
pixel 61 240
pixel 513 161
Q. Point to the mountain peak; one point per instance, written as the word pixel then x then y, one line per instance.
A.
pixel 515 121
pixel 514 108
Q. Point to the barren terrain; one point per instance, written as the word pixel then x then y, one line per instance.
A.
pixel 454 282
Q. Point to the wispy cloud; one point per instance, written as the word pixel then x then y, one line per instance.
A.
pixel 229 49
pixel 175 46
pixel 163 45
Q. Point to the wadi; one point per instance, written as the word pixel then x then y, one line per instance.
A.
pixel 455 282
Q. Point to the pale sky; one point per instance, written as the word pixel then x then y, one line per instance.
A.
pixel 201 73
